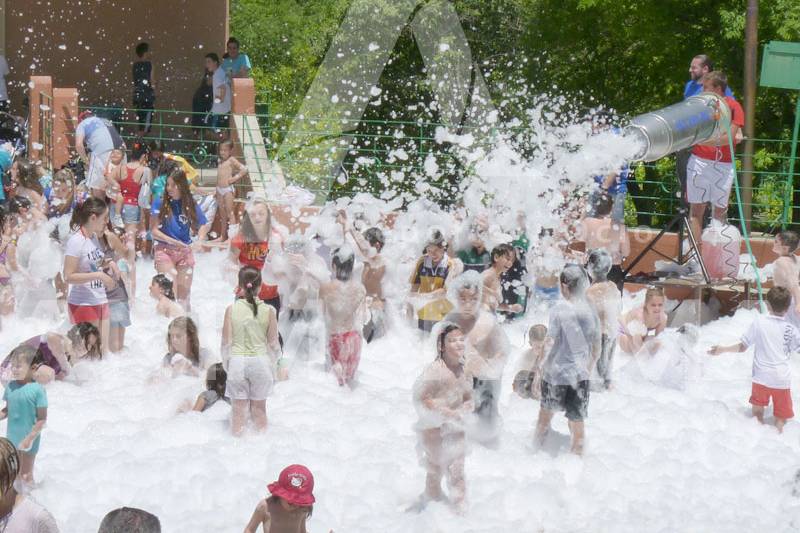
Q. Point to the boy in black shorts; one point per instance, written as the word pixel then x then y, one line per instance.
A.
pixel 575 330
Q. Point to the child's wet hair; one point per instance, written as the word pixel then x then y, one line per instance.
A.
pixel 216 379
pixel 603 205
pixel 779 299
pixel 24 353
pixel 444 330
pixel 80 334
pixel 165 284
pixel 790 239
pixel 343 261
pixel 653 292
pixel 250 285
pixel 374 236
pixel 599 264
pixel 538 333
pixel 502 250
pixel 9 465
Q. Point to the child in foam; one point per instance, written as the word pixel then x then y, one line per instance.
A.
pixel 343 304
pixel 26 408
pixel 83 268
pixel 161 291
pixel 229 171
pixel 216 382
pixel 786 271
pixel 184 355
pixel 429 282
pixel 253 244
pixel 250 351
pixel 602 231
pixel 443 399
pixel 502 259
pixel 56 354
pixel 289 505
pixel 603 295
pixel 174 218
pixel 774 340
pixel 528 380
pixel 643 324
pixel 575 331
pixel 18 512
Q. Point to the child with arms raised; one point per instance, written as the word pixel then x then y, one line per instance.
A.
pixel 773 340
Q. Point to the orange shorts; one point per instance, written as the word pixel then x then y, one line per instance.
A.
pixel 781 400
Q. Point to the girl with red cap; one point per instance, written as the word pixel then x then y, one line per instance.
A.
pixel 443 398
pixel 289 505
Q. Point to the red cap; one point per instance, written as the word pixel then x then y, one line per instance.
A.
pixel 84 114
pixel 295 485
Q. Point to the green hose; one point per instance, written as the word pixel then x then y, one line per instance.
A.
pixel 745 233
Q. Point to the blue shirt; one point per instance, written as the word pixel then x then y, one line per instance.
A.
pixel 178 226
pixel 23 400
pixel 232 66
pixel 693 88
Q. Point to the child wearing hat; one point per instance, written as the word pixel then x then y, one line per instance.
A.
pixel 289 505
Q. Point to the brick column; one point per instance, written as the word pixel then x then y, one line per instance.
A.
pixel 244 96
pixel 65 119
pixel 37 85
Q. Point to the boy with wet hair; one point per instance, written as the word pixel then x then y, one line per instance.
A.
pixel 502 259
pixel 605 299
pixel 343 305
pixel 574 329
pixel 774 340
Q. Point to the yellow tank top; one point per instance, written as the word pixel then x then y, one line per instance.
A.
pixel 249 332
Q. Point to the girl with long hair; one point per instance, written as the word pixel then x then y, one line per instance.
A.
pixel 84 268
pixel 173 220
pixel 250 348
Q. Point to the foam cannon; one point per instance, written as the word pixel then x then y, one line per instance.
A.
pixel 695 120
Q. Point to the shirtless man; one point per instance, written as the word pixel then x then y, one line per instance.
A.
pixel 604 297
pixel 343 304
pixel 229 171
pixel 787 271
pixel 604 233
pixel 502 260
pixel 487 348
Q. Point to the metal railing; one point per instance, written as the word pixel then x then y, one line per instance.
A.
pixel 44 141
pixel 378 152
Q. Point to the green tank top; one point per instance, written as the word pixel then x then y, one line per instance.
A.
pixel 249 332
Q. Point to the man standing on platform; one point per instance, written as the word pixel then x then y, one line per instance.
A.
pixel 710 169
pixel 699 67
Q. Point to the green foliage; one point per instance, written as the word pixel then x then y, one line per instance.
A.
pixel 629 55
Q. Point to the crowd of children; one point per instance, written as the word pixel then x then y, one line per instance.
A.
pixel 292 286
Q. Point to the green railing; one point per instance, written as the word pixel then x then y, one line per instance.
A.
pixel 372 152
pixel 45 129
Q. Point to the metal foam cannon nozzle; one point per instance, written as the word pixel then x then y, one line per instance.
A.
pixel 693 121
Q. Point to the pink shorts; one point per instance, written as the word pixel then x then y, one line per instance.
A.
pixel 179 256
pixel 781 400
pixel 88 313
pixel 345 352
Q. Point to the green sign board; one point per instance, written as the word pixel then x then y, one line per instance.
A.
pixel 780 66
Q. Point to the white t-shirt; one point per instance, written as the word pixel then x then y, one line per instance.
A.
pixel 3 73
pixel 773 340
pixel 220 79
pixel 90 258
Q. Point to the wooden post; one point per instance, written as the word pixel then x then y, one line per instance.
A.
pixel 37 85
pixel 750 87
pixel 244 96
pixel 65 119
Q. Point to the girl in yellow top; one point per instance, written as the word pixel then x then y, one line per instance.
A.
pixel 429 280
pixel 249 349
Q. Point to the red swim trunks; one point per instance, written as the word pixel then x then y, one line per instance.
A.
pixel 88 313
pixel 781 400
pixel 345 352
